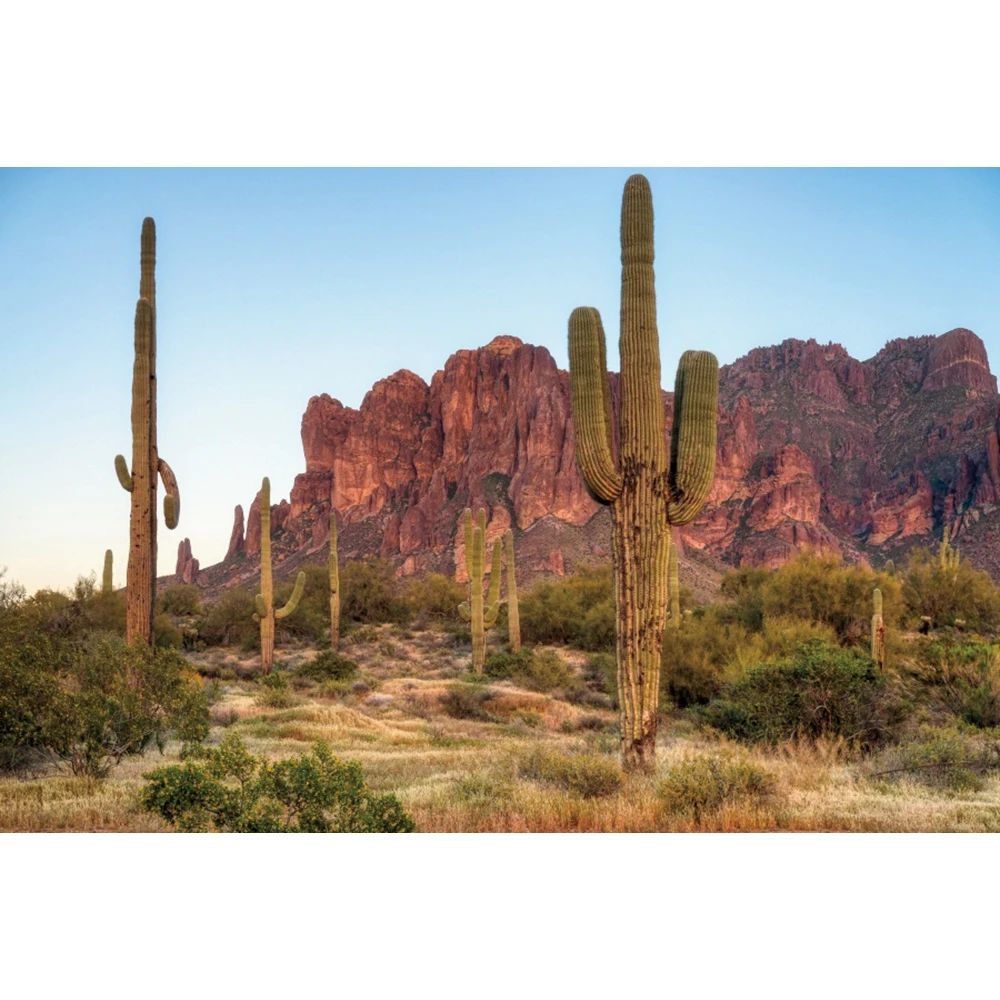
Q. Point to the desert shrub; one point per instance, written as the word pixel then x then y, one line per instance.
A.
pixel 434 599
pixel 696 656
pixel 503 663
pixel 228 789
pixel 182 600
pixel 743 589
pixel 577 610
pixel 965 678
pixel 274 690
pixel 946 595
pixel 229 621
pixel 946 757
pixel 329 666
pixel 311 617
pixel 704 783
pixel 370 593
pixel 462 701
pixel 546 671
pixel 357 636
pixel 821 690
pixel 587 775
pixel 166 635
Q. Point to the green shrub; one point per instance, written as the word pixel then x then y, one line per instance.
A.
pixel 370 593
pixel 434 599
pixel 230 790
pixel 182 600
pixel 946 595
pixel 462 701
pixel 329 666
pixel 229 621
pixel 704 783
pixel 588 775
pixel 502 663
pixel 577 610
pixel 274 690
pixel 821 690
pixel 166 635
pixel 965 677
pixel 945 757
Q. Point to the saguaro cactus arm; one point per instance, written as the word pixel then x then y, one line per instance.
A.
pixel 172 497
pixel 124 476
pixel 293 601
pixel 465 611
pixel 496 571
pixel 590 399
pixel 692 442
pixel 107 584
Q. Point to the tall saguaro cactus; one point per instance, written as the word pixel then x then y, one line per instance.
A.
pixel 513 616
pixel 334 583
pixel 675 589
pixel 878 631
pixel 107 583
pixel 266 612
pixel 140 480
pixel 647 490
pixel 480 618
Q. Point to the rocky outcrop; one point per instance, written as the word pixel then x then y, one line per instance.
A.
pixel 815 448
pixel 187 565
pixel 236 537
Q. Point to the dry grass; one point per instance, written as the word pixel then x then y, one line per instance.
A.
pixel 469 774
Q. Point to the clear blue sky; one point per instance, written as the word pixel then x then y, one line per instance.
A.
pixel 276 285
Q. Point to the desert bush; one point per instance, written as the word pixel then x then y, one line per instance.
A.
pixel 949 594
pixel 181 600
pixel 503 663
pixel 696 657
pixel 462 701
pixel 964 678
pixel 274 690
pixel 228 789
pixel 947 757
pixel 706 782
pixel 229 621
pixel 166 635
pixel 577 610
pixel 821 690
pixel 329 666
pixel 434 599
pixel 370 593
pixel 587 775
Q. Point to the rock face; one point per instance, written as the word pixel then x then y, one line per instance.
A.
pixel 236 538
pixel 863 458
pixel 187 565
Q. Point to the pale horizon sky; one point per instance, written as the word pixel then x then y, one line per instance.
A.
pixel 277 285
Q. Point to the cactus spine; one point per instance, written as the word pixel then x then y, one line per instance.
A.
pixel 107 584
pixel 140 480
pixel 480 618
pixel 334 583
pixel 266 612
pixel 675 589
pixel 513 616
pixel 648 492
pixel 878 631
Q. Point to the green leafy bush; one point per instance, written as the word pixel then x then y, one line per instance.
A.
pixel 704 783
pixel 577 610
pixel 949 594
pixel 942 757
pixel 965 678
pixel 329 666
pixel 588 775
pixel 181 600
pixel 463 701
pixel 820 691
pixel 434 599
pixel 274 690
pixel 370 593
pixel 229 621
pixel 228 789
pixel 503 663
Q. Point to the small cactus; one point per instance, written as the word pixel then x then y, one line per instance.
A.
pixel 675 589
pixel 890 567
pixel 948 558
pixel 513 616
pixel 107 584
pixel 266 612
pixel 334 583
pixel 878 631
pixel 480 618
pixel 140 480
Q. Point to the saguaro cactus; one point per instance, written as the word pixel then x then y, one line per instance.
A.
pixel 107 584
pixel 878 631
pixel 334 583
pixel 890 567
pixel 140 481
pixel 675 589
pixel 266 612
pixel 948 558
pixel 648 492
pixel 480 618
pixel 513 616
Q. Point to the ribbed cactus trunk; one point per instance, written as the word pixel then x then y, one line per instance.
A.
pixel 513 616
pixel 107 582
pixel 878 631
pixel 675 589
pixel 266 613
pixel 647 491
pixel 334 583
pixel 140 480
pixel 480 618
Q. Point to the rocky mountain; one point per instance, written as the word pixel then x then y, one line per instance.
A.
pixel 863 458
